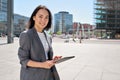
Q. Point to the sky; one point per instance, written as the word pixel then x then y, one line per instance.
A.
pixel 82 10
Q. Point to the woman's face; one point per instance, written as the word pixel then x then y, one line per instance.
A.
pixel 41 19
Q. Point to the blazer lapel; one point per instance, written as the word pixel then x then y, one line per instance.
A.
pixel 40 45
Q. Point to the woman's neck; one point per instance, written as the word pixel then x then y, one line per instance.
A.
pixel 38 29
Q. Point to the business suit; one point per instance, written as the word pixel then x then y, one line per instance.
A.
pixel 32 48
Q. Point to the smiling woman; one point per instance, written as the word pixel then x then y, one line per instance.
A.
pixel 35 51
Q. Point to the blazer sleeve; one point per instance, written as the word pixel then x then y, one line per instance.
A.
pixel 24 49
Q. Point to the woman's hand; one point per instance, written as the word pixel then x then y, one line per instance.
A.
pixel 48 64
pixel 56 58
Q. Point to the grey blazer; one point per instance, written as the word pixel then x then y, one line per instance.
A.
pixel 31 48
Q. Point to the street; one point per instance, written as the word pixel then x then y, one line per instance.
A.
pixel 94 59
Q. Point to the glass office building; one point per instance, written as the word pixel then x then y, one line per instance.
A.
pixel 63 22
pixel 3 10
pixel 3 16
pixel 107 15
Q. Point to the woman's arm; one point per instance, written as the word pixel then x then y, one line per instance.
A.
pixel 46 64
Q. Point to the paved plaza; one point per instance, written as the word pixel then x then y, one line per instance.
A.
pixel 94 59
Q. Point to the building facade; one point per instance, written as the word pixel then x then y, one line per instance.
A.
pixel 84 30
pixel 3 10
pixel 19 24
pixel 3 16
pixel 63 22
pixel 19 20
pixel 107 15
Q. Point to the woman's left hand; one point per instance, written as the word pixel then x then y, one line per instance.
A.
pixel 57 58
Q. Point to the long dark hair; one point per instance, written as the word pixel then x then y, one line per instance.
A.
pixel 31 21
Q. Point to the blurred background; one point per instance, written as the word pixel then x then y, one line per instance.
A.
pixel 81 19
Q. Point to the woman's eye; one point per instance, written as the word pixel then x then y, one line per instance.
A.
pixel 40 16
pixel 47 18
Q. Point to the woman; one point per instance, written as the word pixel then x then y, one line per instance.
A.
pixel 35 51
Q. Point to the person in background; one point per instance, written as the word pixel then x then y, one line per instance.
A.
pixel 35 51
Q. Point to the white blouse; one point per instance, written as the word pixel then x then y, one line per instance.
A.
pixel 44 42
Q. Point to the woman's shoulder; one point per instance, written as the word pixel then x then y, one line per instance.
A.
pixel 23 34
pixel 26 32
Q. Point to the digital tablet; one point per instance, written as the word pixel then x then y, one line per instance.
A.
pixel 64 59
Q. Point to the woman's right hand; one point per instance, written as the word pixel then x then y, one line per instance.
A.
pixel 48 64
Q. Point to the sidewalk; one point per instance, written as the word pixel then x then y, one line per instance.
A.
pixel 92 61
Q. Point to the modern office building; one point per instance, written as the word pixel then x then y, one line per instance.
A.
pixel 19 23
pixel 63 22
pixel 107 15
pixel 3 16
pixel 3 10
pixel 19 20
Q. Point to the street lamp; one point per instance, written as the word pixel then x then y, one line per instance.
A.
pixel 79 30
